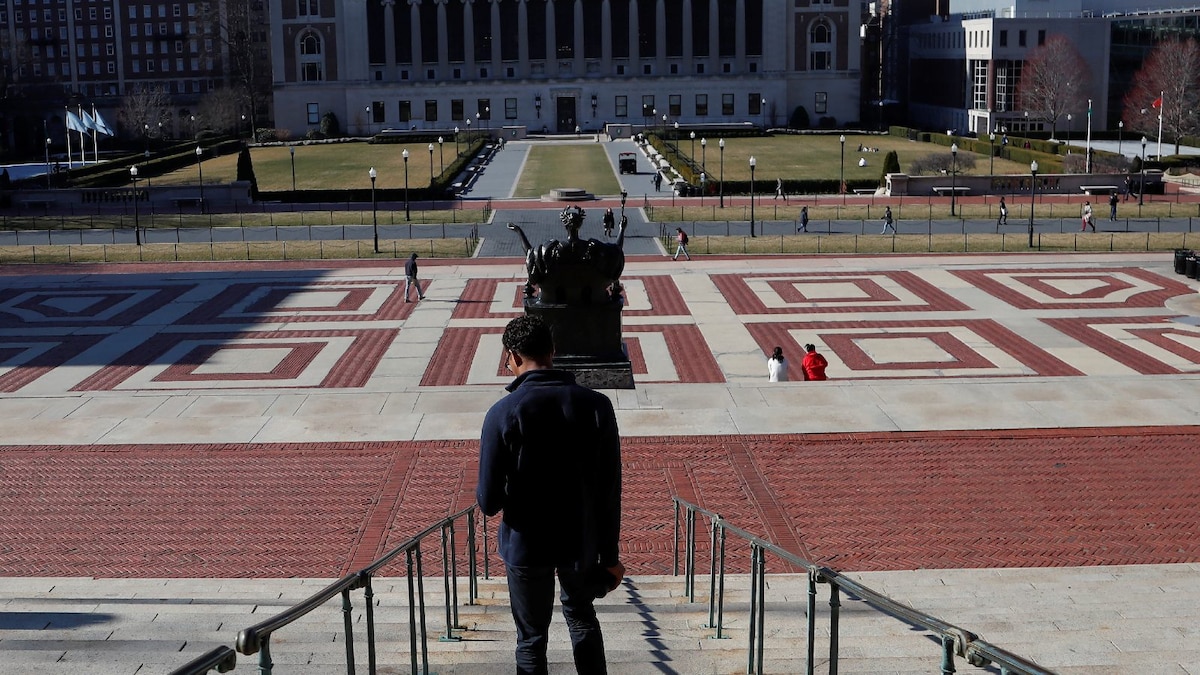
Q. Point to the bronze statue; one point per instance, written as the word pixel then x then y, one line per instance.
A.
pixel 574 271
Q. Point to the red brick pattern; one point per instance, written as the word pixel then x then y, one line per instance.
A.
pixel 220 309
pixel 476 299
pixel 30 357
pixel 1164 288
pixel 39 302
pixel 743 300
pixel 1156 330
pixel 1040 498
pixel 353 367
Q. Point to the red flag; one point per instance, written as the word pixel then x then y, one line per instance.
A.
pixel 1157 103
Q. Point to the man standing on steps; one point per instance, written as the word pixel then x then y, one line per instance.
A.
pixel 550 458
pixel 410 277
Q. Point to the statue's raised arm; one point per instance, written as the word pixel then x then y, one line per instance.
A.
pixel 521 233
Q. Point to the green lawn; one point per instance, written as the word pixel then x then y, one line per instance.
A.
pixel 583 166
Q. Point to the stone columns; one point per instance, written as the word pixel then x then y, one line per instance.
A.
pixel 523 36
pixel 443 43
pixel 469 40
pixel 660 37
pixel 497 55
pixel 606 37
pixel 580 63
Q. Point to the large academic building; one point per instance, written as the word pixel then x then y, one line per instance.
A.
pixel 559 65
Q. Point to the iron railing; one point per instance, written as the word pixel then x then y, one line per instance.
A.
pixel 222 659
pixel 954 640
pixel 257 638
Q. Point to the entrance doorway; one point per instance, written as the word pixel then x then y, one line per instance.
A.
pixel 567 117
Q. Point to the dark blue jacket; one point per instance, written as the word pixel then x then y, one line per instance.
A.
pixel 550 458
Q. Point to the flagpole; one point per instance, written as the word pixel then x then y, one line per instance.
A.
pixel 1162 106
pixel 70 157
pixel 95 138
pixel 82 141
pixel 1087 162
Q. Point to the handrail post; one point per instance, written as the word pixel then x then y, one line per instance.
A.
pixel 947 655
pixel 447 603
pixel 754 627
pixel 675 537
pixel 454 575
pixel 412 614
pixel 421 596
pixel 762 607
pixel 691 555
pixel 369 598
pixel 835 605
pixel 486 562
pixel 712 571
pixel 472 567
pixel 265 664
pixel 812 621
pixel 348 621
pixel 721 591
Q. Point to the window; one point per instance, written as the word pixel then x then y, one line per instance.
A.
pixel 176 11
pixel 483 108
pixel 108 31
pixel 133 30
pixel 1003 38
pixel 312 62
pixel 108 13
pixel 308 8
pixel 820 45
pixel 979 85
pixel 821 103
pixel 91 13
pixel 149 65
pixel 675 105
pixel 132 12
pixel 621 106
pixel 1021 38
pixel 727 105
pixel 699 68
pixel 378 115
pixel 456 109
pixel 431 110
pixel 314 113
pixel 510 108
pixel 648 105
pixel 112 67
pixel 1041 37
pixel 405 108
pixel 701 105
pixel 109 50
pixel 754 106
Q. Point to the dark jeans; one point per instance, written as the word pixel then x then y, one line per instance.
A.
pixel 531 593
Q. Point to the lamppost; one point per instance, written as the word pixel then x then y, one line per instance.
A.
pixel 292 152
pixel 477 118
pixel 1142 178
pixel 721 145
pixel 703 154
pixel 407 214
pixel 249 131
pixel 953 174
pixel 1120 134
pixel 431 164
pixel 763 104
pixel 1033 167
pixel 200 170
pixel 537 104
pixel 47 163
pixel 594 104
pixel 368 120
pixel 457 152
pixel 193 121
pixel 137 228
pixel 487 120
pixel 374 209
pixel 145 139
pixel 1067 131
pixel 753 162
pixel 842 183
pixel 441 154
pixel 991 152
pixel 468 133
pixel 703 181
pixel 624 195
pixel 693 157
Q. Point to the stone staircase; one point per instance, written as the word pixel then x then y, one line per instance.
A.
pixel 1134 619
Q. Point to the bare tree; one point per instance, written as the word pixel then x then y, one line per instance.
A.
pixel 1055 80
pixel 240 27
pixel 222 110
pixel 144 112
pixel 1166 84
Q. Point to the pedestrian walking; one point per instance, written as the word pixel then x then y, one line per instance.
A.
pixel 1086 218
pixel 1003 213
pixel 813 364
pixel 803 219
pixel 779 190
pixel 888 223
pixel 550 459
pixel 410 277
pixel 609 221
pixel 1112 206
pixel 777 366
pixel 681 239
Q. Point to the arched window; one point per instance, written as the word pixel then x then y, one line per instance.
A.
pixel 820 45
pixel 310 59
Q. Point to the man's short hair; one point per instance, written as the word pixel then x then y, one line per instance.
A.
pixel 528 336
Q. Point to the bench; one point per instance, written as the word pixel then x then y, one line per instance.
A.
pixel 181 202
pixel 1098 189
pixel 864 191
pixel 945 190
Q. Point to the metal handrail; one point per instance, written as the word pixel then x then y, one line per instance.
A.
pixel 955 641
pixel 222 659
pixel 257 638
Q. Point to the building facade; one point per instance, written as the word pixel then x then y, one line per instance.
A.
pixel 559 65
pixel 964 65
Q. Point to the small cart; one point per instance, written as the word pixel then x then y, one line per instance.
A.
pixel 627 162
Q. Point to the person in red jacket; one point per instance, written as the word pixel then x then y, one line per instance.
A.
pixel 813 364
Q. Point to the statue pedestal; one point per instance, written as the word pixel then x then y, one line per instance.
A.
pixel 587 342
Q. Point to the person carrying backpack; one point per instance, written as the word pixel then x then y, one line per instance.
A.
pixel 682 239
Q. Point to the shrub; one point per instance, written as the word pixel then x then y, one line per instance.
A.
pixel 329 125
pixel 245 170
pixel 891 164
pixel 799 119
pixel 940 162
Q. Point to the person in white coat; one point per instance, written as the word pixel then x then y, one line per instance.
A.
pixel 777 366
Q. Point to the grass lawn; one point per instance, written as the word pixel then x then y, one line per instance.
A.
pixel 819 156
pixel 701 245
pixel 583 166
pixel 1018 210
pixel 333 165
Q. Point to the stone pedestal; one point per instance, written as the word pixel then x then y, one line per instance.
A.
pixel 587 342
